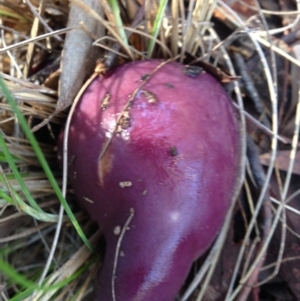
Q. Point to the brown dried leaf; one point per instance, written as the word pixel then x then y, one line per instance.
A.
pixel 288 124
pixel 242 9
pixel 282 161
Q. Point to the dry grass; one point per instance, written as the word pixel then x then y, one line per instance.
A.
pixel 40 248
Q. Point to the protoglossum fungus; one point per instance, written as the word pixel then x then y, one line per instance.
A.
pixel 170 218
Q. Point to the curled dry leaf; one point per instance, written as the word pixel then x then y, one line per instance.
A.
pixel 282 161
pixel 79 56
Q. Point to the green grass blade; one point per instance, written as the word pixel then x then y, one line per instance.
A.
pixel 156 25
pixel 3 159
pixel 16 173
pixel 6 197
pixel 119 23
pixel 6 13
pixel 12 177
pixel 22 206
pixel 43 162
pixel 13 274
pixel 29 286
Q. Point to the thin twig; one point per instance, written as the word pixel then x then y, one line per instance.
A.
pixel 278 13
pixel 24 233
pixel 248 83
pixel 259 177
pixel 81 4
pixel 41 20
pixel 11 56
pixel 124 229
pixel 38 38
pixel 33 34
pixel 285 190
pixel 232 15
pixel 111 57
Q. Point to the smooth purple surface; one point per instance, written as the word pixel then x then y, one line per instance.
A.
pixel 181 155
